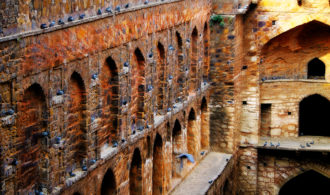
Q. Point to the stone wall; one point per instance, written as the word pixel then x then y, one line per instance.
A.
pixel 79 104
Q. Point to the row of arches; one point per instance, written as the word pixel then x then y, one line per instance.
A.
pixel 158 157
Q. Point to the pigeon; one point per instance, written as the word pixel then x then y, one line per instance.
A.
pixel 146 2
pixel 84 168
pixel 94 76
pixel 60 92
pixel 72 174
pixel 169 109
pixel 210 181
pixel 118 8
pixel 126 64
pixel 70 19
pixel 43 26
pixel 115 144
pixel 265 144
pixel 307 144
pixel 123 140
pixel 99 12
pixel 170 47
pixel 150 55
pixel 93 161
pixel 202 153
pixel 278 145
pixel 271 144
pixel 60 22
pixel 302 146
pixel 170 77
pixel 52 24
pixel 312 142
pixel 127 5
pixel 81 16
pixel 108 9
pixel 10 112
pixel 45 133
pixel 58 140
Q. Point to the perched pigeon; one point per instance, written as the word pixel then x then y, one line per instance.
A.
pixel 99 12
pixel 278 145
pixel 302 146
pixel 84 168
pixel 52 24
pixel 43 26
pixel 307 144
pixel 70 19
pixel 265 144
pixel 108 9
pixel 312 142
pixel 72 174
pixel 146 2
pixel 271 144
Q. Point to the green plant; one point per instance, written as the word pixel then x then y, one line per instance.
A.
pixel 217 19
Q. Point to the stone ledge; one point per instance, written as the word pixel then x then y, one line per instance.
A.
pixel 82 21
pixel 201 178
pixel 321 144
pixel 295 80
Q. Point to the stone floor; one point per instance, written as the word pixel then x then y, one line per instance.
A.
pixel 201 178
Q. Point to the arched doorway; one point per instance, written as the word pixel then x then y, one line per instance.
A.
pixel 316 69
pixel 32 118
pixel 108 183
pixel 180 70
pixel 138 90
pixel 76 130
pixel 310 182
pixel 314 113
pixel 206 54
pixel 110 93
pixel 177 142
pixel 135 174
pixel 161 86
pixel 192 134
pixel 158 166
pixel 193 61
pixel 205 125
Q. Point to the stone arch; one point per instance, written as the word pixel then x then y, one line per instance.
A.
pixel 308 182
pixel 206 66
pixel 180 69
pixel 313 115
pixel 177 145
pixel 193 61
pixel 292 23
pixel 135 174
pixel 138 90
pixel 33 123
pixel 192 134
pixel 158 166
pixel 108 186
pixel 286 55
pixel 316 69
pixel 161 78
pixel 110 93
pixel 76 130
pixel 205 125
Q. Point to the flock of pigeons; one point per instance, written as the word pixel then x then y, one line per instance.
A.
pixel 271 144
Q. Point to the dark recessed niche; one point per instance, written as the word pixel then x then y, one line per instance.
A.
pixel 300 2
pixel 244 102
pixel 289 113
pixel 274 22
pixel 244 67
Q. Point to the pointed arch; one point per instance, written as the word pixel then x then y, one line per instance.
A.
pixel 316 69
pixel 181 79
pixel 138 89
pixel 108 186
pixel 158 166
pixel 309 182
pixel 110 94
pixel 205 125
pixel 177 144
pixel 314 112
pixel 76 130
pixel 193 61
pixel 135 174
pixel 161 75
pixel 206 66
pixel 192 134
pixel 33 121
